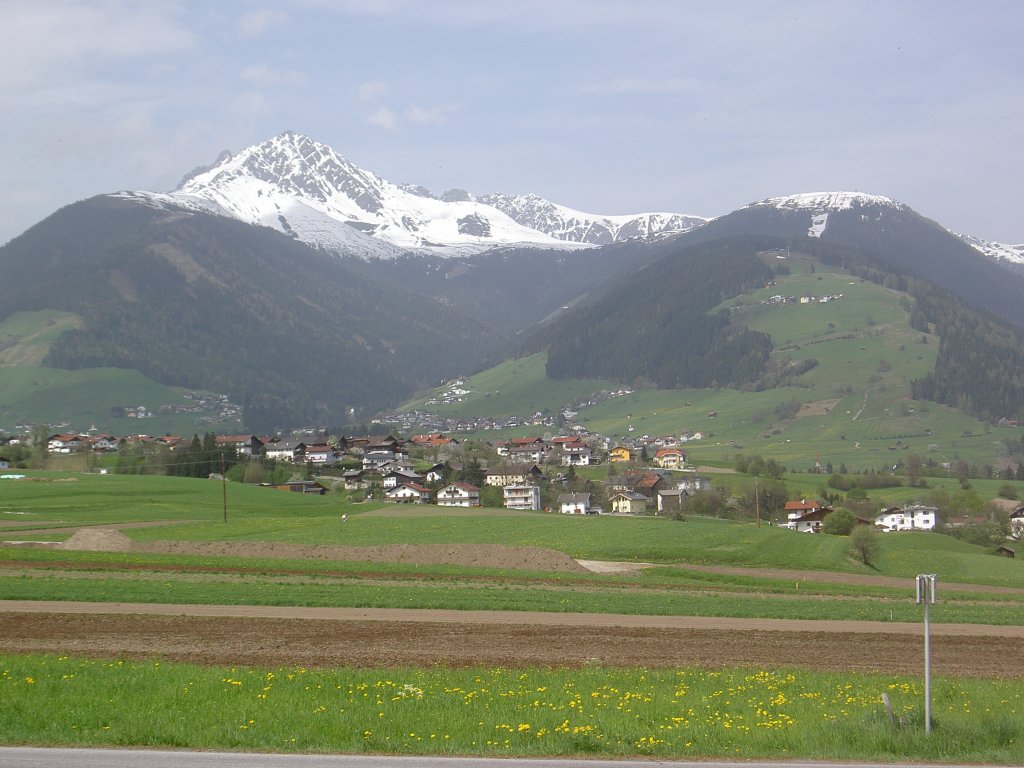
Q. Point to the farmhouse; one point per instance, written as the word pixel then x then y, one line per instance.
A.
pixel 64 443
pixel 629 503
pixel 670 501
pixel 574 503
pixel 399 477
pixel 408 493
pixel 245 445
pixel 515 474
pixel 285 450
pixel 914 517
pixel 806 516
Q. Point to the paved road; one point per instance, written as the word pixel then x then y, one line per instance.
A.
pixel 29 757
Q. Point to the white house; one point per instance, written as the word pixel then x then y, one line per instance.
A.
pixel 285 450
pixel 65 443
pixel 320 454
pixel 575 455
pixel 459 495
pixel 574 503
pixel 522 497
pixel 915 517
pixel 399 477
pixel 408 493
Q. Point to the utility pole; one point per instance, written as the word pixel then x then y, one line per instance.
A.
pixel 757 503
pixel 926 596
pixel 224 486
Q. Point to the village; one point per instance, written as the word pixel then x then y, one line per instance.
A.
pixel 560 474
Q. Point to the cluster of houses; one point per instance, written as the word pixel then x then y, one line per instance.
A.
pixel 809 516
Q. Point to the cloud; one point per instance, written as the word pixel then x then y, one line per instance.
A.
pixel 266 76
pixel 383 118
pixel 253 23
pixel 39 41
pixel 435 115
pixel 644 86
pixel 371 90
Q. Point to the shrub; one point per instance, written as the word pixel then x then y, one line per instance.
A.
pixel 864 544
pixel 839 523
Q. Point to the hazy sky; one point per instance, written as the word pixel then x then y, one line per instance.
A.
pixel 608 107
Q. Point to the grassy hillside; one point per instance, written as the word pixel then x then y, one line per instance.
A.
pixel 516 387
pixel 35 394
pixel 855 402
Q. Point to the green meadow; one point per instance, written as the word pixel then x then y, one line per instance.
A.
pixel 598 712
pixel 746 713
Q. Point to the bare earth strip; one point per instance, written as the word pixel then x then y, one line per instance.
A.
pixel 274 636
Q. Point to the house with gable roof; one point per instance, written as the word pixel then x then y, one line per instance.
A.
pixel 574 503
pixel 408 493
pixel 459 494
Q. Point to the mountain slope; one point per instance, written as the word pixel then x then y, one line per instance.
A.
pixel 307 191
pixel 655 327
pixel 207 302
pixel 880 233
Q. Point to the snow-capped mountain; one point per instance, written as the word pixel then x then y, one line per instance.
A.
pixel 576 226
pixel 820 204
pixel 1000 252
pixel 308 191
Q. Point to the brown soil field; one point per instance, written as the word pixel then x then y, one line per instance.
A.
pixel 272 636
pixel 510 640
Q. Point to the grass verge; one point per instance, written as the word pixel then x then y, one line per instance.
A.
pixel 684 713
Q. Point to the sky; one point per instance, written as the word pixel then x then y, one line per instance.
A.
pixel 605 106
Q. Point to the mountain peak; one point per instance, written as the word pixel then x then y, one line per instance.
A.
pixel 823 202
pixel 306 190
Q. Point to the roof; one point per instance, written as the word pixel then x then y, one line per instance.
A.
pixel 574 498
pixel 631 496
pixel 802 506
pixel 463 486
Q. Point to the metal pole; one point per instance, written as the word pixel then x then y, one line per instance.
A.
pixel 927 672
pixel 224 487
pixel 926 595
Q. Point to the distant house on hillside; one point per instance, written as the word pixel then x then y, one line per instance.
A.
pixel 285 450
pixel 670 458
pixel 914 517
pixel 620 453
pixel 244 445
pixel 516 474
pixel 806 516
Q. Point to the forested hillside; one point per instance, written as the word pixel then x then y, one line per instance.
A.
pixel 656 326
pixel 206 302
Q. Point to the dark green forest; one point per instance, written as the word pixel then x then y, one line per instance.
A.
pixel 295 335
pixel 656 326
